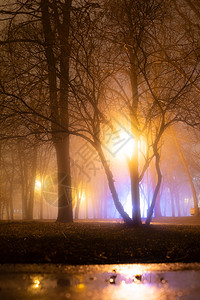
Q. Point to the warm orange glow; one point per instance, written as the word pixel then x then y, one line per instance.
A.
pixel 127 150
pixel 36 283
pixel 38 185
pixel 81 195
pixel 122 144
pixel 81 286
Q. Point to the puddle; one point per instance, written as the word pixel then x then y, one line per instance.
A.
pixel 131 281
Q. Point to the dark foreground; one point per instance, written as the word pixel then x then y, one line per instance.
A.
pixel 97 243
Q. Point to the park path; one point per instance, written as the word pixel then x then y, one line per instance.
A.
pixel 177 220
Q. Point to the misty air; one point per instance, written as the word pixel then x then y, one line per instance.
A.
pixel 99 149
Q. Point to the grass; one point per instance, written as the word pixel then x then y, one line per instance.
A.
pixel 97 243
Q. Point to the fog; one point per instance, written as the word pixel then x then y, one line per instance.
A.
pixel 90 191
pixel 99 110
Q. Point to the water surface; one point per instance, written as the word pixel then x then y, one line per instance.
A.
pixel 130 281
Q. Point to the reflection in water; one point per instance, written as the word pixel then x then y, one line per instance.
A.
pixel 36 283
pixel 80 286
pixel 113 277
pixel 152 282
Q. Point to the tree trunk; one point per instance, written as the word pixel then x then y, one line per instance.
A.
pixel 134 164
pixel 59 105
pixel 153 183
pixel 135 191
pixel 112 188
pixel 157 164
pixel 65 213
pixel 158 213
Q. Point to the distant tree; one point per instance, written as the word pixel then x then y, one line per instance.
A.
pixel 185 164
pixel 43 162
pixel 8 176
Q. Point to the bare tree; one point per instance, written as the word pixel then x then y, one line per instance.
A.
pixel 49 66
pixel 84 54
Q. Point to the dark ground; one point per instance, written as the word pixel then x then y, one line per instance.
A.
pixel 98 243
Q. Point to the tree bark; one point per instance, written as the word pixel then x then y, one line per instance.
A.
pixel 153 182
pixel 65 213
pixel 112 188
pixel 59 106
pixel 158 213
pixel 135 191
pixel 159 180
pixel 134 164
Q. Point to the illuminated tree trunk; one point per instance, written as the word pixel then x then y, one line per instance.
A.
pixel 159 180
pixel 111 185
pixel 153 181
pixel 135 192
pixel 134 164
